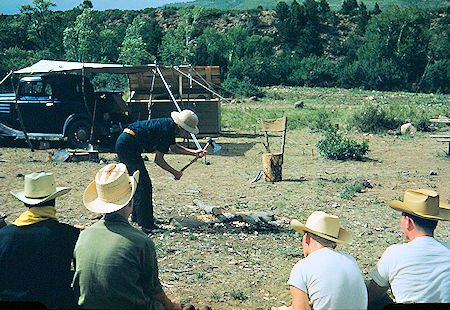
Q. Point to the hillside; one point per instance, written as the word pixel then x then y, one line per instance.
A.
pixel 334 4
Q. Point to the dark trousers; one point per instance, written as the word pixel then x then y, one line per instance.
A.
pixel 129 152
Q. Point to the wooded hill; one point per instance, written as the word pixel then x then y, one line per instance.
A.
pixel 334 4
pixel 293 44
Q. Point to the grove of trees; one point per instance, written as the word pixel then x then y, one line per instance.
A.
pixel 301 43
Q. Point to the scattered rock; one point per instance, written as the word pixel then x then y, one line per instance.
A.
pixel 253 98
pixel 144 157
pixel 299 105
pixel 186 221
pixel 407 128
pixel 363 183
pixel 19 175
pixel 394 132
pixel 433 172
pixel 214 210
pixel 335 205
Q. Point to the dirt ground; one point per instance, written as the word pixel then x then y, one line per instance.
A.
pixel 241 266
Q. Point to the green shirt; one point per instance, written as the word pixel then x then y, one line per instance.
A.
pixel 116 267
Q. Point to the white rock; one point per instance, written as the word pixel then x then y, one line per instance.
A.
pixel 407 128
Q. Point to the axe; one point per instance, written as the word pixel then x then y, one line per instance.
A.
pixel 215 149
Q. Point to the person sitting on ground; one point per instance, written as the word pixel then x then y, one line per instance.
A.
pixel 325 278
pixel 417 271
pixel 116 266
pixel 36 250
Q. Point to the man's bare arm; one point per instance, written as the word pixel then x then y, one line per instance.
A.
pixel 300 300
pixel 377 296
pixel 160 161
pixel 179 149
pixel 167 303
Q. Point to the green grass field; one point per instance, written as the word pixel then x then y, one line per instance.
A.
pixel 324 106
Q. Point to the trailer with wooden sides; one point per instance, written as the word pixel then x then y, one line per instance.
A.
pixel 192 88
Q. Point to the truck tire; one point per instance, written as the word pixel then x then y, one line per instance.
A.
pixel 78 134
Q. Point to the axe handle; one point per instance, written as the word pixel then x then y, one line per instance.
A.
pixel 195 159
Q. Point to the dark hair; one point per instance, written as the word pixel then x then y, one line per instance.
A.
pixel 48 203
pixel 325 242
pixel 427 225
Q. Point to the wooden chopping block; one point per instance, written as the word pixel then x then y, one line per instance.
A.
pixel 272 166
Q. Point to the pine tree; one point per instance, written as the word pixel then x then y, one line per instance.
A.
pixel 349 7
pixel 376 9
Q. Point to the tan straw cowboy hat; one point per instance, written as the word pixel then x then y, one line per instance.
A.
pixel 111 190
pixel 424 203
pixel 187 120
pixel 39 187
pixel 323 225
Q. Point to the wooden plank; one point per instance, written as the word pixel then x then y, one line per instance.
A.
pixel 440 120
pixel 440 136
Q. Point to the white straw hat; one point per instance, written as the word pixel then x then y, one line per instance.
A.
pixel 424 203
pixel 111 190
pixel 39 187
pixel 323 225
pixel 187 119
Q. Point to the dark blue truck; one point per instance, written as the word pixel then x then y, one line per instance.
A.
pixel 62 106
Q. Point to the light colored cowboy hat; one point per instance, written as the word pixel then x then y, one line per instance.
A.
pixel 424 203
pixel 111 190
pixel 39 187
pixel 323 225
pixel 187 120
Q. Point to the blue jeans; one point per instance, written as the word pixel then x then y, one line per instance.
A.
pixel 129 152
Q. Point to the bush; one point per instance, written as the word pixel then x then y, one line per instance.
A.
pixel 320 120
pixel 238 295
pixel 336 146
pixel 350 191
pixel 242 87
pixel 372 118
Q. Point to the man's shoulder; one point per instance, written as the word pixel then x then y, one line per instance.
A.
pixel 127 231
pixel 47 224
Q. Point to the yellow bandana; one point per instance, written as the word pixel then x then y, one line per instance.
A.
pixel 34 215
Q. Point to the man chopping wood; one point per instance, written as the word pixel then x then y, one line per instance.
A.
pixel 158 136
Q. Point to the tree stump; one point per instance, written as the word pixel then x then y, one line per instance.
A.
pixel 272 166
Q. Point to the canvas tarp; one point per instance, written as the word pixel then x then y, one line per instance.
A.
pixel 48 66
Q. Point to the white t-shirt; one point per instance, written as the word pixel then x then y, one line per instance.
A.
pixel 418 271
pixel 331 279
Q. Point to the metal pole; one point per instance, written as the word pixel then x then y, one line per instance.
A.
pixel 19 115
pixel 7 76
pixel 176 104
pixel 149 106
pixel 205 87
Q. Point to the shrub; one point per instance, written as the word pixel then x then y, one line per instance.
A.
pixel 320 120
pixel 238 295
pixel 372 118
pixel 242 87
pixel 350 191
pixel 336 146
pixel 421 120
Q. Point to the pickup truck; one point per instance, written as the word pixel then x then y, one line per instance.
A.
pixel 54 106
